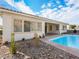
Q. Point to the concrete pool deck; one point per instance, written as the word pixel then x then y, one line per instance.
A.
pixel 70 50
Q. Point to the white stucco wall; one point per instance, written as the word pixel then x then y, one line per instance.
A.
pixel 8 27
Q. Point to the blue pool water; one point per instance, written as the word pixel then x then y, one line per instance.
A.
pixel 68 40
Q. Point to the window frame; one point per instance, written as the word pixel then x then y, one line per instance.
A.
pixel 29 26
pixel 14 25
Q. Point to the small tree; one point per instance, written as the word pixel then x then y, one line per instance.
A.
pixel 12 47
pixel 72 26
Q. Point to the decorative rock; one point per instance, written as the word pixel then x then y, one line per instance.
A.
pixel 45 51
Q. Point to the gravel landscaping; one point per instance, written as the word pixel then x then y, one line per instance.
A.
pixel 44 51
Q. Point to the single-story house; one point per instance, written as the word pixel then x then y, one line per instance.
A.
pixel 25 25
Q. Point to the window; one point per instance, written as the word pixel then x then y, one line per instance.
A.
pixel 33 26
pixel 57 27
pixel 26 26
pixel 17 25
pixel 39 26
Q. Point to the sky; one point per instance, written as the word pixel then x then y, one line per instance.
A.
pixel 61 10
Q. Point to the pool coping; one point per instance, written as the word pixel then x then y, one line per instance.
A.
pixel 70 50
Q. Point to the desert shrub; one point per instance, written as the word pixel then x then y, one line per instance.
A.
pixel 12 45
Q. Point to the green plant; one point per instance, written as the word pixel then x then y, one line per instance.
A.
pixel 12 46
pixel 72 26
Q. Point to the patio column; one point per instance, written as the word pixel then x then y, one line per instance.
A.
pixel 60 28
pixel 22 25
pixel 43 28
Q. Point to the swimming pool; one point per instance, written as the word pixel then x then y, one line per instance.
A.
pixel 67 40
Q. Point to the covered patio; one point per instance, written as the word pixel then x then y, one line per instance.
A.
pixel 51 28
